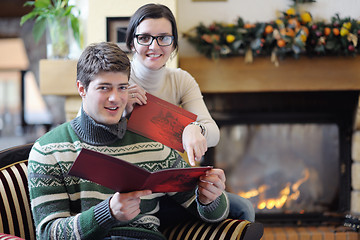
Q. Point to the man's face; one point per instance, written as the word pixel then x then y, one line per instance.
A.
pixel 106 97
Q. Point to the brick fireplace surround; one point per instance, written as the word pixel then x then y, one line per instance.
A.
pixel 232 75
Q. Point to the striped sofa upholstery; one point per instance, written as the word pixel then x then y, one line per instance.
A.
pixel 16 218
pixel 226 230
pixel 15 214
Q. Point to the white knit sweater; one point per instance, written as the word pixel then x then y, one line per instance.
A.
pixel 177 87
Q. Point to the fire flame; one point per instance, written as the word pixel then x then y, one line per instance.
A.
pixel 289 192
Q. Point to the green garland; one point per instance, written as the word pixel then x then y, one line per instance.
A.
pixel 292 34
pixel 303 1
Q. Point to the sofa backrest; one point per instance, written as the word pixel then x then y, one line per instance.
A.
pixel 15 212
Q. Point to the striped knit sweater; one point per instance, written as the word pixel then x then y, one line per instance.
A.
pixel 66 207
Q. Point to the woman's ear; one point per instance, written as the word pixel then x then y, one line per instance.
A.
pixel 80 88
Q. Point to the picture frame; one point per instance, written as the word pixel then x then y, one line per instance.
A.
pixel 116 31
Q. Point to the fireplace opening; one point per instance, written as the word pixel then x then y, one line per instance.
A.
pixel 289 168
pixel 289 153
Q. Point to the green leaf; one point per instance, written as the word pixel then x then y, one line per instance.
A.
pixel 260 30
pixel 330 45
pixel 28 16
pixel 68 10
pixel 75 27
pixel 39 29
pixel 42 3
pixel 29 3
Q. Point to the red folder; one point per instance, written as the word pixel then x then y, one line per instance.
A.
pixel 160 121
pixel 122 176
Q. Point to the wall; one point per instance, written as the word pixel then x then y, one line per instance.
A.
pixel 192 13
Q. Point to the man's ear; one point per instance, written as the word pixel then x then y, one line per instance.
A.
pixel 80 88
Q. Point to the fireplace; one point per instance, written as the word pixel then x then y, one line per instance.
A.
pixel 282 167
pixel 313 129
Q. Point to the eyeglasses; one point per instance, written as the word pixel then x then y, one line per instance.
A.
pixel 147 40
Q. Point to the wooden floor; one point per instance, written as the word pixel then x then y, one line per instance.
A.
pixel 309 233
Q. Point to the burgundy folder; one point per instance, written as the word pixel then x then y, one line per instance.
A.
pixel 160 121
pixel 122 176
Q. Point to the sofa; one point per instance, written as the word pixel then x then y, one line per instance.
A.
pixel 16 218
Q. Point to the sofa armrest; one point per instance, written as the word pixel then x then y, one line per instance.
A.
pixel 9 237
pixel 229 229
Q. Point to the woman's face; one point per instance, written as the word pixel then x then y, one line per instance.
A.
pixel 153 56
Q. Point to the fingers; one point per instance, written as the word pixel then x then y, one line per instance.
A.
pixel 138 98
pixel 194 143
pixel 191 158
pixel 219 173
pixel 214 178
pixel 200 150
pixel 195 153
pixel 208 192
pixel 126 206
pixel 211 185
pixel 138 194
pixel 207 196
pixel 137 95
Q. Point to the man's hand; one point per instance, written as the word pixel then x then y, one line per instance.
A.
pixel 211 185
pixel 194 143
pixel 126 206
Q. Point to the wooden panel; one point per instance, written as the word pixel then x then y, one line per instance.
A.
pixel 304 74
pixel 58 77
pixel 13 55
pixel 268 234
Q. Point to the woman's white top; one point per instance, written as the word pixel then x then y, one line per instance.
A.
pixel 177 87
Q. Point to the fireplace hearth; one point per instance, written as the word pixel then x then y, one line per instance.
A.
pixel 333 112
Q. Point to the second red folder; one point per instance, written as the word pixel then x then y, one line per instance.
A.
pixel 160 121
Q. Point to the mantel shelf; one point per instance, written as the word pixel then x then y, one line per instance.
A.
pixel 305 74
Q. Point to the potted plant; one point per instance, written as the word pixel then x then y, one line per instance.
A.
pixel 55 16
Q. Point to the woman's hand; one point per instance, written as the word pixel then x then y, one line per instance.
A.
pixel 211 185
pixel 136 95
pixel 126 206
pixel 194 143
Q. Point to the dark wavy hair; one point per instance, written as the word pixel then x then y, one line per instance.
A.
pixel 147 11
pixel 101 57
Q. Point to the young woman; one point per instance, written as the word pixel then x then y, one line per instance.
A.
pixel 152 37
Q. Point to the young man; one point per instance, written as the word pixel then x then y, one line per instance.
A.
pixel 66 207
